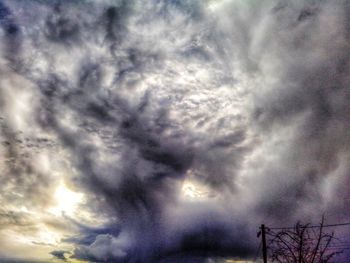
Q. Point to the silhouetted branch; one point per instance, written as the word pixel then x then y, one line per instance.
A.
pixel 302 244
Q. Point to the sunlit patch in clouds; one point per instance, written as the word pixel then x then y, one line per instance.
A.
pixel 197 191
pixel 167 131
pixel 65 201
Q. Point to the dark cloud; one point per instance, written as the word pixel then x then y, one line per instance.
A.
pixel 11 31
pixel 60 254
pixel 61 29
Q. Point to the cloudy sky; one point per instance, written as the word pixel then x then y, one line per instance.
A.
pixel 169 130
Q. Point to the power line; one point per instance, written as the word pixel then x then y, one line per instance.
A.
pixel 339 245
pixel 314 226
pixel 338 249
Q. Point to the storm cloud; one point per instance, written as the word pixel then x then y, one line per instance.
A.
pixel 182 124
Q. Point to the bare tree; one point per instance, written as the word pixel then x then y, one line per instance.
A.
pixel 302 244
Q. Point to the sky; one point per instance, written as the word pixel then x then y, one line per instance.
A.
pixel 169 130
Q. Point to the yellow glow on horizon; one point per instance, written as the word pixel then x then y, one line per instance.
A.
pixel 76 261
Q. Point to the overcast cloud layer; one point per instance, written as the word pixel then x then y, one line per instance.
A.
pixel 169 130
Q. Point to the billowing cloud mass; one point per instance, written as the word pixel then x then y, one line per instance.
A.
pixel 169 130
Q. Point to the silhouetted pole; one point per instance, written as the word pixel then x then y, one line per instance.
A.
pixel 263 236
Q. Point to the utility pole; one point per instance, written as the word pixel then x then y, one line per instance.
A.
pixel 264 248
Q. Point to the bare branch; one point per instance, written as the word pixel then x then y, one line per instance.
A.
pixel 302 244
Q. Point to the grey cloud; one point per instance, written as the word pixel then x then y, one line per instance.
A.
pixel 310 91
pixel 196 239
pixel 60 254
pixel 61 29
